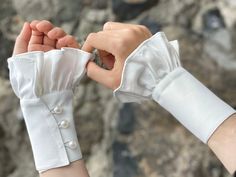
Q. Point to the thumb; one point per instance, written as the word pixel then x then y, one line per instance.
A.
pixel 22 40
pixel 99 74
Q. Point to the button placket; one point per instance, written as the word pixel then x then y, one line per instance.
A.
pixel 63 124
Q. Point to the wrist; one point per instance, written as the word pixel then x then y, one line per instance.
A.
pixel 223 143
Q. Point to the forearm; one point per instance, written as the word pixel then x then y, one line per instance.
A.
pixel 181 94
pixel 75 169
pixel 223 143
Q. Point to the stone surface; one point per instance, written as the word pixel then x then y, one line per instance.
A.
pixel 220 47
pixel 127 10
pixel 213 20
pixel 5 52
pixel 125 164
pixel 152 24
pixel 48 9
pixel 126 119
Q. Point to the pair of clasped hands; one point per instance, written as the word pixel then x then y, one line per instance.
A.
pixel 114 44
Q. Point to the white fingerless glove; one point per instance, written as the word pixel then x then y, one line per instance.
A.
pixel 153 71
pixel 44 82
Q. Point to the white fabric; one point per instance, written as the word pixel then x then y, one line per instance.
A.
pixel 153 71
pixel 191 103
pixel 146 66
pixel 37 73
pixel 44 82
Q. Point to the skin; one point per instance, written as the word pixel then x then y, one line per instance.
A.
pixel 121 40
pixel 223 143
pixel 117 48
pixel 42 36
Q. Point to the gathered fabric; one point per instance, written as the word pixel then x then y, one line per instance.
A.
pixel 38 73
pixel 146 66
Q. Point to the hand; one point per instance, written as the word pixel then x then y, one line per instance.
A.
pixel 115 43
pixel 42 36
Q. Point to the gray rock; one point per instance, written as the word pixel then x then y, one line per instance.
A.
pixel 213 20
pixel 228 10
pixel 6 9
pixel 6 47
pixel 151 24
pixel 219 46
pixel 100 4
pixel 48 9
pixel 127 10
pixel 174 13
pixel 45 9
pixel 126 119
pixel 125 164
pixel 69 10
pixel 97 16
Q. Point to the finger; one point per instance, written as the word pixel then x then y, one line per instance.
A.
pixel 67 41
pixel 49 42
pixel 56 33
pixel 37 36
pixel 22 40
pixel 99 74
pixel 107 59
pixel 44 26
pixel 102 40
pixel 33 25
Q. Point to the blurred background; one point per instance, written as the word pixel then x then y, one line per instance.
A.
pixel 126 140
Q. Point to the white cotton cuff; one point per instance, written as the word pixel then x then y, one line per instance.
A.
pixel 37 73
pixel 50 125
pixel 145 67
pixel 191 103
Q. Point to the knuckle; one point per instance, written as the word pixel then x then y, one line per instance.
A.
pixel 58 30
pixel 35 21
pixel 70 37
pixel 46 21
pixel 145 30
pixel 107 25
pixel 90 37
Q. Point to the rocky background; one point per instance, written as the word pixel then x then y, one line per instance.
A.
pixel 126 140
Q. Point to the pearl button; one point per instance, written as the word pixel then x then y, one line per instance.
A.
pixel 64 124
pixel 72 144
pixel 57 110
